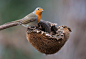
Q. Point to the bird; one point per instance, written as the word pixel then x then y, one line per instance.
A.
pixel 28 21
pixel 31 19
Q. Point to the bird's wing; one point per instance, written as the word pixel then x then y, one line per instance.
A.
pixel 29 18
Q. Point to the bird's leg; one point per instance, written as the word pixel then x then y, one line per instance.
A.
pixel 36 25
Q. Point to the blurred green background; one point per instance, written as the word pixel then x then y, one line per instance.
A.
pixel 72 13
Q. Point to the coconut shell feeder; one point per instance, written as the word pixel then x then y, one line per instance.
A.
pixel 47 38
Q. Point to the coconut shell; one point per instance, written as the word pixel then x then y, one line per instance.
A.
pixel 48 43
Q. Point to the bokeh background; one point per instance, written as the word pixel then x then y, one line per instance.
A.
pixel 72 13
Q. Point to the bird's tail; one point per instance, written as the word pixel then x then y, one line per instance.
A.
pixel 16 21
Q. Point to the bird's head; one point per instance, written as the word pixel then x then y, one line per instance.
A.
pixel 38 11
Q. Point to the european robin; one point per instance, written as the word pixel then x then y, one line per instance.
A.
pixel 32 18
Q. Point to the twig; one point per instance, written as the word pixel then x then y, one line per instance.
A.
pixel 7 25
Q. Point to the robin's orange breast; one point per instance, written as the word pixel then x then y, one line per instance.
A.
pixel 38 13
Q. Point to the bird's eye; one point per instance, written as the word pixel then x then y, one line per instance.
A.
pixel 38 9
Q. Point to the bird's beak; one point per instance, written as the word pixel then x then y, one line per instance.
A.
pixel 42 10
